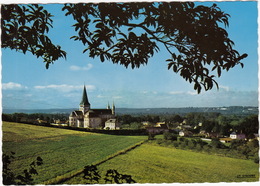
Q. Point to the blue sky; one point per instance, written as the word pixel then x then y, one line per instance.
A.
pixel 27 84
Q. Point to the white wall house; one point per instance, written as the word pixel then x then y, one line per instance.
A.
pixel 112 124
pixel 235 135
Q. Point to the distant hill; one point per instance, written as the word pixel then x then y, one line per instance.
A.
pixel 145 111
pixel 184 110
pixel 31 111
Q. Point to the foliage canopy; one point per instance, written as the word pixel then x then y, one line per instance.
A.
pixel 130 33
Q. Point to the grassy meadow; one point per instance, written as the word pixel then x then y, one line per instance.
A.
pixel 63 151
pixel 156 164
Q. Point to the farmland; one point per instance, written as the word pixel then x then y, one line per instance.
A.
pixel 63 151
pixel 67 151
pixel 156 164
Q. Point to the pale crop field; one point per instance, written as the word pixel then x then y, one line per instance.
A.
pixel 155 164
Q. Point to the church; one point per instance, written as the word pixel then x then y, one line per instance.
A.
pixel 86 117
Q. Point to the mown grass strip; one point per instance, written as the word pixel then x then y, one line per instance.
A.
pixel 61 179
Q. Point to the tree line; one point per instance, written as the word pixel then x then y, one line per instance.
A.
pixel 31 118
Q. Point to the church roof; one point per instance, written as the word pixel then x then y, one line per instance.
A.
pixel 102 111
pixel 84 100
pixel 76 113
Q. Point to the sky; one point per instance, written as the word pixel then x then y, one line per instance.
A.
pixel 27 84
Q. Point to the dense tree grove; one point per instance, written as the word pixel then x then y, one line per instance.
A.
pixel 194 36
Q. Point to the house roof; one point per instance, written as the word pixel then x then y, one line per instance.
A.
pixel 84 100
pixel 164 126
pixel 111 120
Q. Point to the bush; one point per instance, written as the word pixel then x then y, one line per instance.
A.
pixel 201 143
pixel 235 144
pixel 192 144
pixel 217 144
pixel 256 158
pixel 199 147
pixel 181 139
pixel 176 144
pixel 151 136
pixel 186 141
pixel 170 136
pixel 182 145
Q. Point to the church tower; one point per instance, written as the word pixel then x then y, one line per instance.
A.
pixel 84 105
pixel 113 108
pixel 108 106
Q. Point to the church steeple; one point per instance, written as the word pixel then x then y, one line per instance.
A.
pixel 113 108
pixel 84 104
pixel 108 106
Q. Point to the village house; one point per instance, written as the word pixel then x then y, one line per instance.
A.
pixel 148 123
pixel 185 133
pixel 157 130
pixel 235 135
pixel 86 117
pixel 112 124
pixel 158 124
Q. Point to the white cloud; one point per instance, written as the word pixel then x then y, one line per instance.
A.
pixel 65 87
pixel 78 68
pixel 175 92
pixel 12 86
pixel 117 97
pixel 226 88
pixel 101 96
pixel 192 93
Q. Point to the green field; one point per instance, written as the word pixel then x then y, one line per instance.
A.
pixel 63 151
pixel 67 151
pixel 155 164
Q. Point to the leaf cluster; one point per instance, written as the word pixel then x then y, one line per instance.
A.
pixel 9 178
pixel 112 176
pixel 24 29
pixel 130 33
pixel 92 176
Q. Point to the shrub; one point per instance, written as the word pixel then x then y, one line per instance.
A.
pixel 181 138
pixel 186 141
pixel 192 143
pixel 176 144
pixel 169 136
pixel 217 144
pixel 199 147
pixel 182 145
pixel 256 158
pixel 151 136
